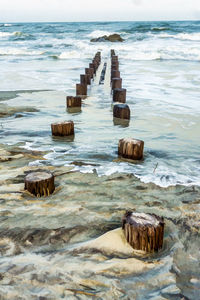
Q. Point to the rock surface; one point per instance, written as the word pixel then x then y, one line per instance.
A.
pixel 111 38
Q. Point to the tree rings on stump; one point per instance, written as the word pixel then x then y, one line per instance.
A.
pixel 131 148
pixel 63 128
pixel 119 95
pixel 121 111
pixel 73 101
pixel 40 183
pixel 143 231
pixel 116 83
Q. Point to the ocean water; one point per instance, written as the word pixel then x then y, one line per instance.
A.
pixel 40 64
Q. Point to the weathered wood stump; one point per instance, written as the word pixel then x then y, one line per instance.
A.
pixel 92 66
pixel 89 71
pixel 131 148
pixel 85 79
pixel 62 128
pixel 119 95
pixel 114 57
pixel 115 74
pixel 40 183
pixel 143 231
pixel 115 66
pixel 116 83
pixel 73 101
pixel 112 52
pixel 81 89
pixel 121 111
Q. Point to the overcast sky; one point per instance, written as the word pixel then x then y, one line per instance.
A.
pixel 101 10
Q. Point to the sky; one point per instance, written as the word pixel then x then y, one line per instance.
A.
pixel 97 10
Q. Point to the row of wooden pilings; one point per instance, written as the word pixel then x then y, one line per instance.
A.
pixel 128 148
pixel 142 231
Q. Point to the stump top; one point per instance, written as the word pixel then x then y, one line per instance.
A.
pixel 62 123
pixel 121 106
pixel 38 176
pixel 131 140
pixel 142 219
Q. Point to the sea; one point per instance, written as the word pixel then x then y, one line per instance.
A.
pixel 160 68
pixel 70 245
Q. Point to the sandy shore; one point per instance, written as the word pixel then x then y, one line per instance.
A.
pixel 70 244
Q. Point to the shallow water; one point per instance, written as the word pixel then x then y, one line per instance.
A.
pixel 159 64
pixel 64 246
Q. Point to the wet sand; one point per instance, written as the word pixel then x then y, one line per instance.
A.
pixel 70 245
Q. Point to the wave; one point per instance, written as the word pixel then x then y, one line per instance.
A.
pixel 182 36
pixel 69 55
pixel 99 33
pixel 17 35
pixel 20 52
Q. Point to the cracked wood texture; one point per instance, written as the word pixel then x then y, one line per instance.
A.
pixel 63 128
pixel 40 183
pixel 131 148
pixel 143 231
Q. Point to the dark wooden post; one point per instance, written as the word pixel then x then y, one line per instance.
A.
pixel 39 183
pixel 143 231
pixel 81 89
pixel 112 52
pixel 131 148
pixel 89 71
pixel 62 128
pixel 115 74
pixel 119 95
pixel 73 101
pixel 121 111
pixel 92 66
pixel 116 83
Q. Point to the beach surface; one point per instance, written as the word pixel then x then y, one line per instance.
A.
pixel 70 245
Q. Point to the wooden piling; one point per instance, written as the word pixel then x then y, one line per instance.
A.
pixel 131 148
pixel 121 111
pixel 73 101
pixel 115 74
pixel 116 83
pixel 143 231
pixel 39 183
pixel 81 89
pixel 119 95
pixel 62 128
pixel 89 71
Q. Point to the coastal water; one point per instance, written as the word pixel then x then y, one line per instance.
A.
pixel 64 246
pixel 159 64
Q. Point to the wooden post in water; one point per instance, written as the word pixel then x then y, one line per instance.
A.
pixel 119 95
pixel 116 83
pixel 121 111
pixel 62 128
pixel 89 71
pixel 73 101
pixel 81 89
pixel 92 66
pixel 143 231
pixel 39 183
pixel 115 74
pixel 131 148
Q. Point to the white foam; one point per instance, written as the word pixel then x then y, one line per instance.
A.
pixel 19 51
pixel 99 33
